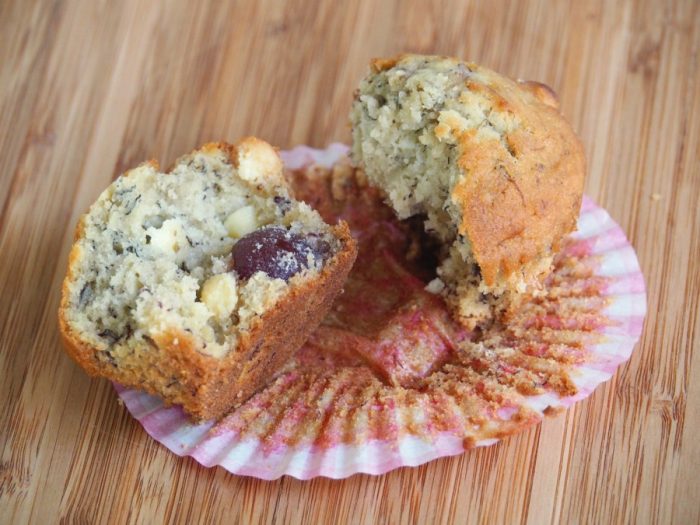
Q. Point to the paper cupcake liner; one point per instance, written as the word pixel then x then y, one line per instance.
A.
pixel 329 415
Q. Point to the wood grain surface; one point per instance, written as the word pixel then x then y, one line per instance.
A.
pixel 89 88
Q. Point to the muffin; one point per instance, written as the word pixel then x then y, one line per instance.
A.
pixel 198 284
pixel 489 163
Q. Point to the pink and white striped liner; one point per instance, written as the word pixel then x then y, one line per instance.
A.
pixel 626 306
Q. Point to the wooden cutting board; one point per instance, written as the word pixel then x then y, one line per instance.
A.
pixel 89 88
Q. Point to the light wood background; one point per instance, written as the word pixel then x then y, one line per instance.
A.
pixel 88 88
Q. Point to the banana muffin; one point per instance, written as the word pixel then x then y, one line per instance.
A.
pixel 490 163
pixel 198 284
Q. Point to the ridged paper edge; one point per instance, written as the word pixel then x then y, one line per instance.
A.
pixel 626 306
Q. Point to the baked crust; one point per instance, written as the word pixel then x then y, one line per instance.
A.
pixel 520 195
pixel 172 366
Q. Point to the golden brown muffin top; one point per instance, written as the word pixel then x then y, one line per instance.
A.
pixel 520 189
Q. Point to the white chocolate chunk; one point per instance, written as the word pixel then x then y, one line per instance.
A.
pixel 241 222
pixel 169 238
pixel 258 163
pixel 219 294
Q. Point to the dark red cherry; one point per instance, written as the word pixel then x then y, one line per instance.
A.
pixel 277 252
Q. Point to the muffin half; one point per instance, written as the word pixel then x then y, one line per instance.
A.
pixel 198 284
pixel 490 163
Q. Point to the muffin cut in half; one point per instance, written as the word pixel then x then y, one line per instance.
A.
pixel 198 284
pixel 490 163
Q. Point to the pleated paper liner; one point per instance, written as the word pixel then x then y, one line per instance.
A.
pixel 389 380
